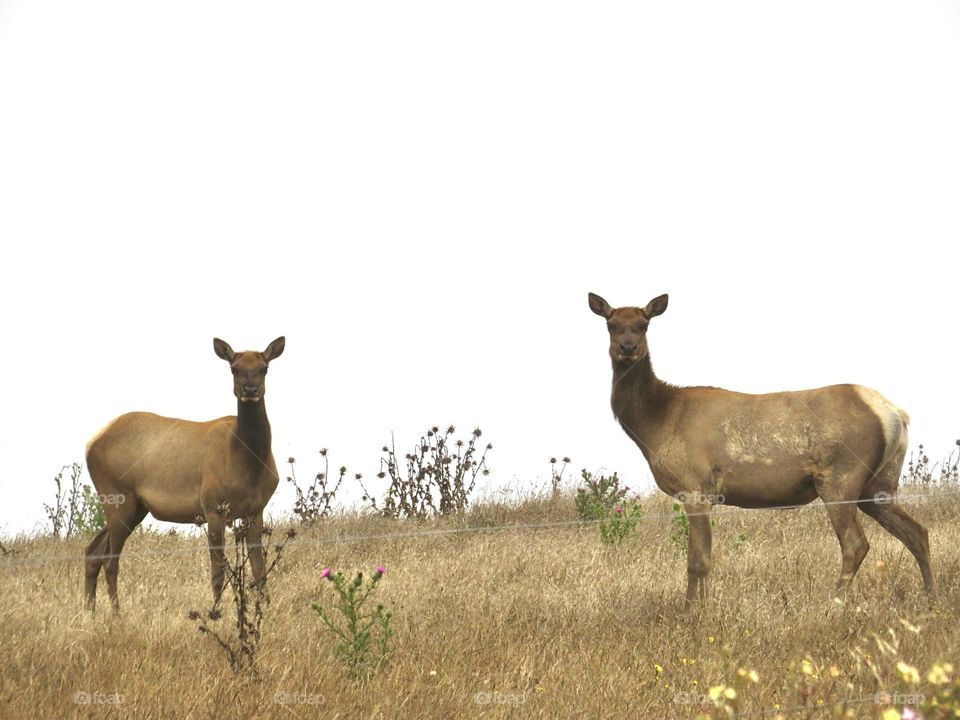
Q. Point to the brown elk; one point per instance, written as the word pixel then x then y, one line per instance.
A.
pixel 187 472
pixel 844 444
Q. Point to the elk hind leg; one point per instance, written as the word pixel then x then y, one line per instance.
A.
pixel 893 518
pixel 95 554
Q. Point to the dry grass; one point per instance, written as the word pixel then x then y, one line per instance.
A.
pixel 537 622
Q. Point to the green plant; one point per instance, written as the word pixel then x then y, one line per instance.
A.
pixel 363 635
pixel 604 501
pixel 621 522
pixel 598 497
pixel 680 532
pixel 76 509
pixel 90 516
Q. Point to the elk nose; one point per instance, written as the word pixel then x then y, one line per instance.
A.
pixel 628 347
pixel 249 389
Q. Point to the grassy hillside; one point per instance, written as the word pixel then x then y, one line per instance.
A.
pixel 541 621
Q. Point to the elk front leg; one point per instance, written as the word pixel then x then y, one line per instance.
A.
pixel 699 551
pixel 255 546
pixel 216 522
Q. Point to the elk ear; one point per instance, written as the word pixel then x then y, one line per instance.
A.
pixel 656 306
pixel 223 350
pixel 600 306
pixel 275 349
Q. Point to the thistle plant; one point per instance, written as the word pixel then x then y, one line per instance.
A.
pixel 921 471
pixel 316 499
pixel 362 634
pixel 249 598
pixel 598 496
pixel 556 476
pixel 437 478
pixel 621 522
pixel 604 501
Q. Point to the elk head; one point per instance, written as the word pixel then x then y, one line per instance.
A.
pixel 249 368
pixel 628 327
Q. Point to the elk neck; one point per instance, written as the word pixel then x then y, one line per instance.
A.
pixel 253 428
pixel 640 400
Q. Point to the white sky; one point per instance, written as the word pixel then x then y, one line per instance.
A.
pixel 419 196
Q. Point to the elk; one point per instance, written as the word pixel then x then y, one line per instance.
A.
pixel 705 445
pixel 187 472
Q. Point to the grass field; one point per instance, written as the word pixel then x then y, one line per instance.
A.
pixel 497 622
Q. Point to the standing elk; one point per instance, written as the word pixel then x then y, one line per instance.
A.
pixel 187 472
pixel 844 444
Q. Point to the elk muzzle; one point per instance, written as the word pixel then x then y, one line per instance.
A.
pixel 250 392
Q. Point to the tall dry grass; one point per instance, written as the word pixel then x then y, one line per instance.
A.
pixel 541 621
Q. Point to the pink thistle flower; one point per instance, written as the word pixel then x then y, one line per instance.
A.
pixel 618 509
pixel 326 573
pixel 381 570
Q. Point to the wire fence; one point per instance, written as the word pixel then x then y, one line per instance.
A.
pixel 12 558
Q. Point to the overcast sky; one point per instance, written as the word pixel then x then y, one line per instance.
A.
pixel 420 195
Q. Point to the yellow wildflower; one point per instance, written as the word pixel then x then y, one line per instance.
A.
pixel 908 673
pixel 939 674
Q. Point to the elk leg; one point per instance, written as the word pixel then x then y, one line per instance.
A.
pixel 123 522
pixel 699 551
pixel 216 522
pixel 853 542
pixel 255 550
pixel 898 522
pixel 95 555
